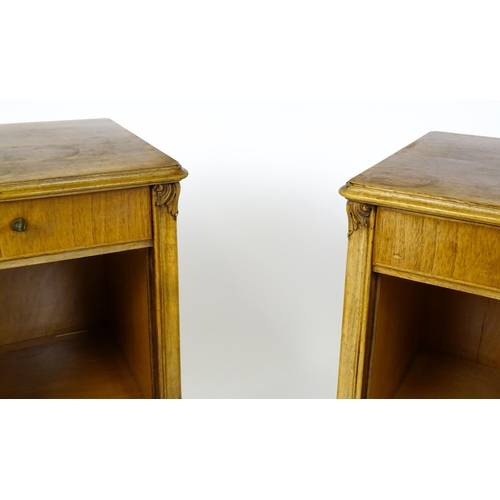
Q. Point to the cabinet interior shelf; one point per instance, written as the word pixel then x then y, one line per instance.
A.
pixel 437 376
pixel 87 364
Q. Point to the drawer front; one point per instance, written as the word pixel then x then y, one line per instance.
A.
pixel 53 225
pixel 461 252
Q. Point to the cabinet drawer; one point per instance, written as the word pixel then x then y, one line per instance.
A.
pixel 65 223
pixel 461 252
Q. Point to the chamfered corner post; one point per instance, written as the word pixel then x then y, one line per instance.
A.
pixel 166 341
pixel 357 301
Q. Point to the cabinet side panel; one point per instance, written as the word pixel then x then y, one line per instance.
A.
pixel 489 348
pixel 397 319
pixel 127 283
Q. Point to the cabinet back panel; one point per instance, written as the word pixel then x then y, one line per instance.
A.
pixel 53 298
pixel 453 322
pixel 463 325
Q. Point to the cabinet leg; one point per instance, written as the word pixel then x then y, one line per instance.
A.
pixel 358 297
pixel 166 330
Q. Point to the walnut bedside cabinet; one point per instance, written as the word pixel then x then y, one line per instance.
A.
pixel 88 263
pixel 422 293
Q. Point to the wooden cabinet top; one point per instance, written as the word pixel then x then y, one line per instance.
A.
pixel 53 158
pixel 454 175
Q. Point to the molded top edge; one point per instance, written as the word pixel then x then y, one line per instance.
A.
pixel 438 169
pixel 43 158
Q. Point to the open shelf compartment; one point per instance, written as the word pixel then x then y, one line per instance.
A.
pixel 77 328
pixel 433 342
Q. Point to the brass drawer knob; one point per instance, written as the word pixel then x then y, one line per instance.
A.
pixel 19 225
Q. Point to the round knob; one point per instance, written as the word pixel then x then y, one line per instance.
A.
pixel 19 225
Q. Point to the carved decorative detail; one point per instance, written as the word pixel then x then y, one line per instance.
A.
pixel 358 215
pixel 167 196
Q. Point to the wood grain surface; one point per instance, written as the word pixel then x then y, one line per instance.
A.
pixel 358 295
pixel 450 326
pixel 441 173
pixel 437 376
pixel 89 283
pixel 85 364
pixel 52 298
pixel 435 326
pixel 128 309
pixel 462 252
pixel 47 158
pixel 397 326
pixel 75 222
pixel 165 294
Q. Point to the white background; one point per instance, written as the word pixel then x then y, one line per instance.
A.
pixel 262 242
pixel 262 229
pixel 265 104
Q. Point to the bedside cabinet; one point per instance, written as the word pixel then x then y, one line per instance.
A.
pixel 88 263
pixel 422 292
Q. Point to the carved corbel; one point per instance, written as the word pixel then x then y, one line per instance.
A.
pixel 167 197
pixel 358 215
